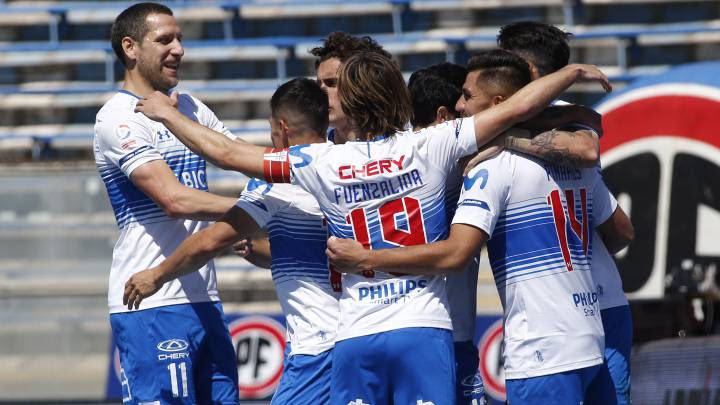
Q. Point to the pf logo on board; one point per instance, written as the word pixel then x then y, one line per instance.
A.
pixel 259 344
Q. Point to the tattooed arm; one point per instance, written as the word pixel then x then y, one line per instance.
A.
pixel 564 148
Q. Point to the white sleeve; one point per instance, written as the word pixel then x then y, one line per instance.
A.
pixel 484 194
pixel 126 140
pixel 260 201
pixel 604 203
pixel 207 117
pixel 450 141
pixel 304 164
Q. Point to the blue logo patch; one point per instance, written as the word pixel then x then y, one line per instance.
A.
pixel 296 151
pixel 254 184
pixel 469 182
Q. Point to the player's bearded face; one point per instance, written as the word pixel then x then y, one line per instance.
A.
pixel 160 52
pixel 327 73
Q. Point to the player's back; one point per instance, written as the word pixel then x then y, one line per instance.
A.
pixel 298 237
pixel 540 252
pixel 386 193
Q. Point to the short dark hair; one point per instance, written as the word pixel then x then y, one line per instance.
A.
pixel 304 99
pixel 503 69
pixel 373 95
pixel 131 23
pixel 545 46
pixel 434 87
pixel 342 46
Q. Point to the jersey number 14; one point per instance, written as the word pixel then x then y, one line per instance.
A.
pixel 563 215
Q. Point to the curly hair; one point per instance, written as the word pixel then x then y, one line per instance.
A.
pixel 373 95
pixel 342 46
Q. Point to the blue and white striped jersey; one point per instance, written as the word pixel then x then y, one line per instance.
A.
pixel 385 193
pixel 540 220
pixel 125 140
pixel 298 238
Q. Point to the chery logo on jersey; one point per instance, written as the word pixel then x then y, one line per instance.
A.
pixel 172 345
pixel 373 168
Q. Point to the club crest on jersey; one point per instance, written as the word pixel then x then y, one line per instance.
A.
pixel 370 169
pixel 122 131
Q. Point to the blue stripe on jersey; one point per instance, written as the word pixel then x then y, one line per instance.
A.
pixel 525 243
pixel 134 153
pixel 297 244
pixel 131 205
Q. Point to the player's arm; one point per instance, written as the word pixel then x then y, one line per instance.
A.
pixel 256 251
pixel 213 146
pixel 562 116
pixel 445 256
pixel 617 231
pixel 579 148
pixel 158 182
pixel 192 254
pixel 532 99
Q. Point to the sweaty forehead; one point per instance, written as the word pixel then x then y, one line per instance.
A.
pixel 161 24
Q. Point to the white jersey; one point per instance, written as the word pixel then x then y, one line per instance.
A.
pixel 540 253
pixel 125 140
pixel 385 193
pixel 298 238
pixel 461 287
pixel 604 270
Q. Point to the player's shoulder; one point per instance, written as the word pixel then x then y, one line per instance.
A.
pixel 497 168
pixel 120 104
pixel 118 118
pixel 445 128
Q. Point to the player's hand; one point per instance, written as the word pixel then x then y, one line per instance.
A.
pixel 591 73
pixel 140 286
pixel 346 255
pixel 243 248
pixel 158 106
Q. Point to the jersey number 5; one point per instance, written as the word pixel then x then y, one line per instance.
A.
pixel 561 219
pixel 388 212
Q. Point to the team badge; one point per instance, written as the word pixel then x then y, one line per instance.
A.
pixel 122 131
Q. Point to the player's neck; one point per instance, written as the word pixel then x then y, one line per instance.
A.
pixel 344 133
pixel 306 137
pixel 136 84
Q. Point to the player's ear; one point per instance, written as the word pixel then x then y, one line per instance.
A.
pixel 285 129
pixel 534 72
pixel 497 99
pixel 130 48
pixel 442 114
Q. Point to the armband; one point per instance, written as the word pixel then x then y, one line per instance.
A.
pixel 276 165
